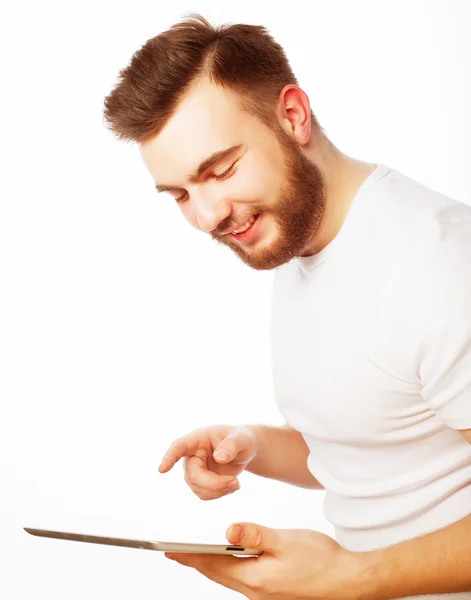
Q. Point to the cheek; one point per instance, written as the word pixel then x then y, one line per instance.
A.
pixel 259 182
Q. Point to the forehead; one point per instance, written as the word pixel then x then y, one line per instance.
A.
pixel 208 119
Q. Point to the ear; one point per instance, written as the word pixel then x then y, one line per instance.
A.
pixel 295 113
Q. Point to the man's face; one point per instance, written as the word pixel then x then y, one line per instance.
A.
pixel 266 177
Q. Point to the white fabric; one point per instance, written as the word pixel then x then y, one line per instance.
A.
pixel 371 356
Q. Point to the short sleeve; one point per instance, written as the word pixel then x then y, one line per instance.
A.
pixel 445 350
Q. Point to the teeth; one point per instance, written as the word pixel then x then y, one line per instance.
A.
pixel 244 227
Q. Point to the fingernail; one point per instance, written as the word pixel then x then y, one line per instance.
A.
pixel 234 485
pixel 222 455
pixel 237 533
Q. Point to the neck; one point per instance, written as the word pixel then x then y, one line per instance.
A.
pixel 343 176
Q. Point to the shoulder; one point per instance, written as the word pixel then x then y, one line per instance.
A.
pixel 428 234
pixel 416 207
pixel 433 274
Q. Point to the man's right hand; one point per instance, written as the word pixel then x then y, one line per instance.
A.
pixel 213 458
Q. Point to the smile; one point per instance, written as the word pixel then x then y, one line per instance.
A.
pixel 243 227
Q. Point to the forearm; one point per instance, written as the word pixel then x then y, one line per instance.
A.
pixel 282 454
pixel 436 563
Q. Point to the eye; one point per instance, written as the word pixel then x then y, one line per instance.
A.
pixel 182 197
pixel 224 175
pixel 219 177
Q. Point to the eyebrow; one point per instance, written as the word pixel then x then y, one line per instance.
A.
pixel 204 166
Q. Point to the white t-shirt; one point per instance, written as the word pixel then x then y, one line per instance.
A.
pixel 371 356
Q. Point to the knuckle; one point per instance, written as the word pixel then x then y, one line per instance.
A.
pixel 201 453
pixel 199 492
pixel 204 495
pixel 190 479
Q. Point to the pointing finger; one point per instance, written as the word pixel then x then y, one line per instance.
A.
pixel 182 447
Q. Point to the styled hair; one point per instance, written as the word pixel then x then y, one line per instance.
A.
pixel 243 58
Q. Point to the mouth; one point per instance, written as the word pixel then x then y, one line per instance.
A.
pixel 248 231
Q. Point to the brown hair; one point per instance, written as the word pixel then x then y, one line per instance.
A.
pixel 243 58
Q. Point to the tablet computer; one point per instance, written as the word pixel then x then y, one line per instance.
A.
pixel 159 546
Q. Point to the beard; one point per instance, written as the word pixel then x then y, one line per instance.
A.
pixel 296 213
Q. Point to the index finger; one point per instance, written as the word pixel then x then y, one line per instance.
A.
pixel 185 446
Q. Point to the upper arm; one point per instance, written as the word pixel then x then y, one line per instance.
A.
pixel 444 323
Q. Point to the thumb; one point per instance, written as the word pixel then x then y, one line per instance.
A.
pixel 227 450
pixel 251 535
pixel 239 440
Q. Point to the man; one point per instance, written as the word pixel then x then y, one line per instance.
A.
pixel 371 322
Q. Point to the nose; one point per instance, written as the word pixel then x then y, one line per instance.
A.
pixel 210 211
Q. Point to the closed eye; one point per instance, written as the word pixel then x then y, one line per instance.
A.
pixel 220 177
pixel 224 175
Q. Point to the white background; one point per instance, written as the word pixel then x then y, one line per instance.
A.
pixel 121 327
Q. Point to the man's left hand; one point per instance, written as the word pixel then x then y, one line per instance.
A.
pixel 295 563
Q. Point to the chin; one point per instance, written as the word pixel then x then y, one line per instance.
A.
pixel 265 256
